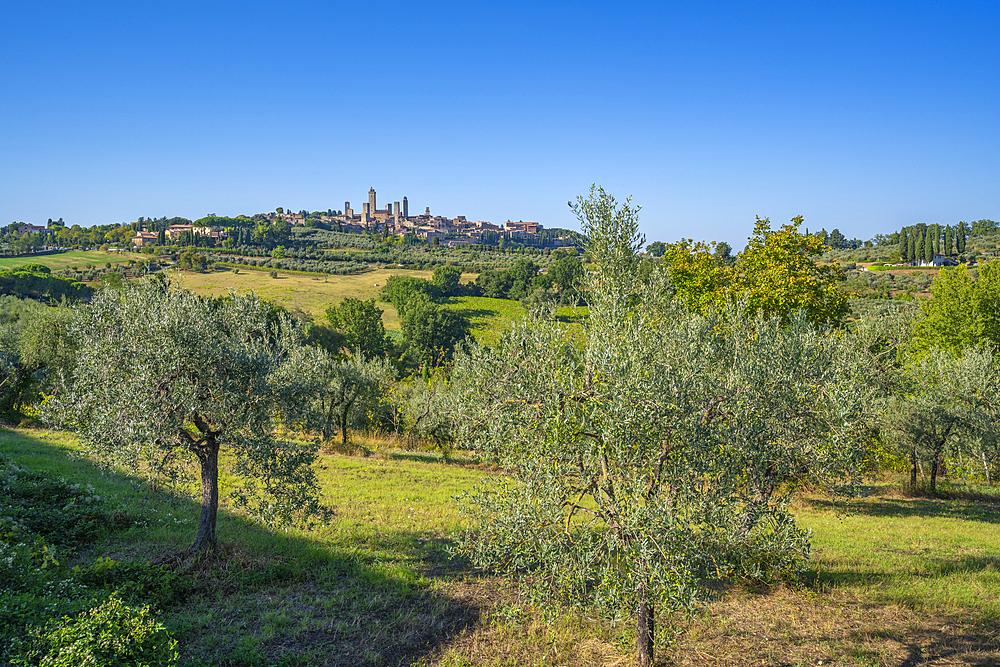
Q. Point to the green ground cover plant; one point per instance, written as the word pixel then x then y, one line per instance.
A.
pixel 489 317
pixel 56 608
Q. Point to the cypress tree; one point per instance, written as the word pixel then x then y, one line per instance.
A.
pixel 949 240
pixel 961 236
pixel 912 252
pixel 904 245
pixel 929 246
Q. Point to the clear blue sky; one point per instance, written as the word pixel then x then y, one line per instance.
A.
pixel 861 116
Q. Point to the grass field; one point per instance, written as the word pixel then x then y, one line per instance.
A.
pixel 489 317
pixel 311 294
pixel 894 581
pixel 314 294
pixel 70 258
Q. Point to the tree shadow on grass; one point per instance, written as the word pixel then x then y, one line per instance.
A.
pixel 929 567
pixel 433 457
pixel 267 598
pixel 914 507
pixel 475 314
pixel 931 643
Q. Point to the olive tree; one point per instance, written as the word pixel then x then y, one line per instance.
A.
pixel 34 351
pixel 165 379
pixel 340 389
pixel 651 450
pixel 948 405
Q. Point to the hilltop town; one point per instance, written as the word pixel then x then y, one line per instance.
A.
pixel 393 219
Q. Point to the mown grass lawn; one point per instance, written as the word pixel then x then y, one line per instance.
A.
pixel 894 581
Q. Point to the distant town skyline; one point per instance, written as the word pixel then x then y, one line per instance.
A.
pixel 858 116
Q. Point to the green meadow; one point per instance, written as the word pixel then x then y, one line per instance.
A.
pixel 69 259
pixel 893 580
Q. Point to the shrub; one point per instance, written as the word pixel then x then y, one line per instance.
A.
pixel 110 634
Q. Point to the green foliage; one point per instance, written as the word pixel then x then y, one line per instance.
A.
pixel 432 332
pixel 567 275
pixel 947 405
pixel 164 378
pixel 446 279
pixel 338 393
pixel 43 519
pixel 614 238
pixel 522 279
pixel 401 290
pixel 651 452
pixel 66 515
pixel 37 282
pixel 111 634
pixel 192 260
pixel 964 313
pixel 776 275
pixel 34 350
pixel 360 324
pixel 134 581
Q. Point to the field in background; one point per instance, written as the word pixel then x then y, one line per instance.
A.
pixel 893 581
pixel 68 259
pixel 311 294
pixel 488 317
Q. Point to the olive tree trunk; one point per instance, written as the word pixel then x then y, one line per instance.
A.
pixel 208 457
pixel 645 631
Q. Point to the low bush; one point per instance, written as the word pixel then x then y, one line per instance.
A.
pixel 112 634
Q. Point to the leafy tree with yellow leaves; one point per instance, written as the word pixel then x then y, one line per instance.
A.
pixel 776 275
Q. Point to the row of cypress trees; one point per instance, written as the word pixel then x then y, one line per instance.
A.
pixel 922 241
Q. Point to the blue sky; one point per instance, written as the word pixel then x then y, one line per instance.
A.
pixel 860 116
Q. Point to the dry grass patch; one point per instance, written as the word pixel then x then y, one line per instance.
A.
pixel 311 294
pixel 801 627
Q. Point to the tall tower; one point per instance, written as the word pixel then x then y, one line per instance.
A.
pixel 371 202
pixel 398 210
pixel 406 208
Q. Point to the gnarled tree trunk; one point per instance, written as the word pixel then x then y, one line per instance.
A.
pixel 208 457
pixel 645 631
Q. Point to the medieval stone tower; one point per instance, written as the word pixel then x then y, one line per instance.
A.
pixel 371 202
